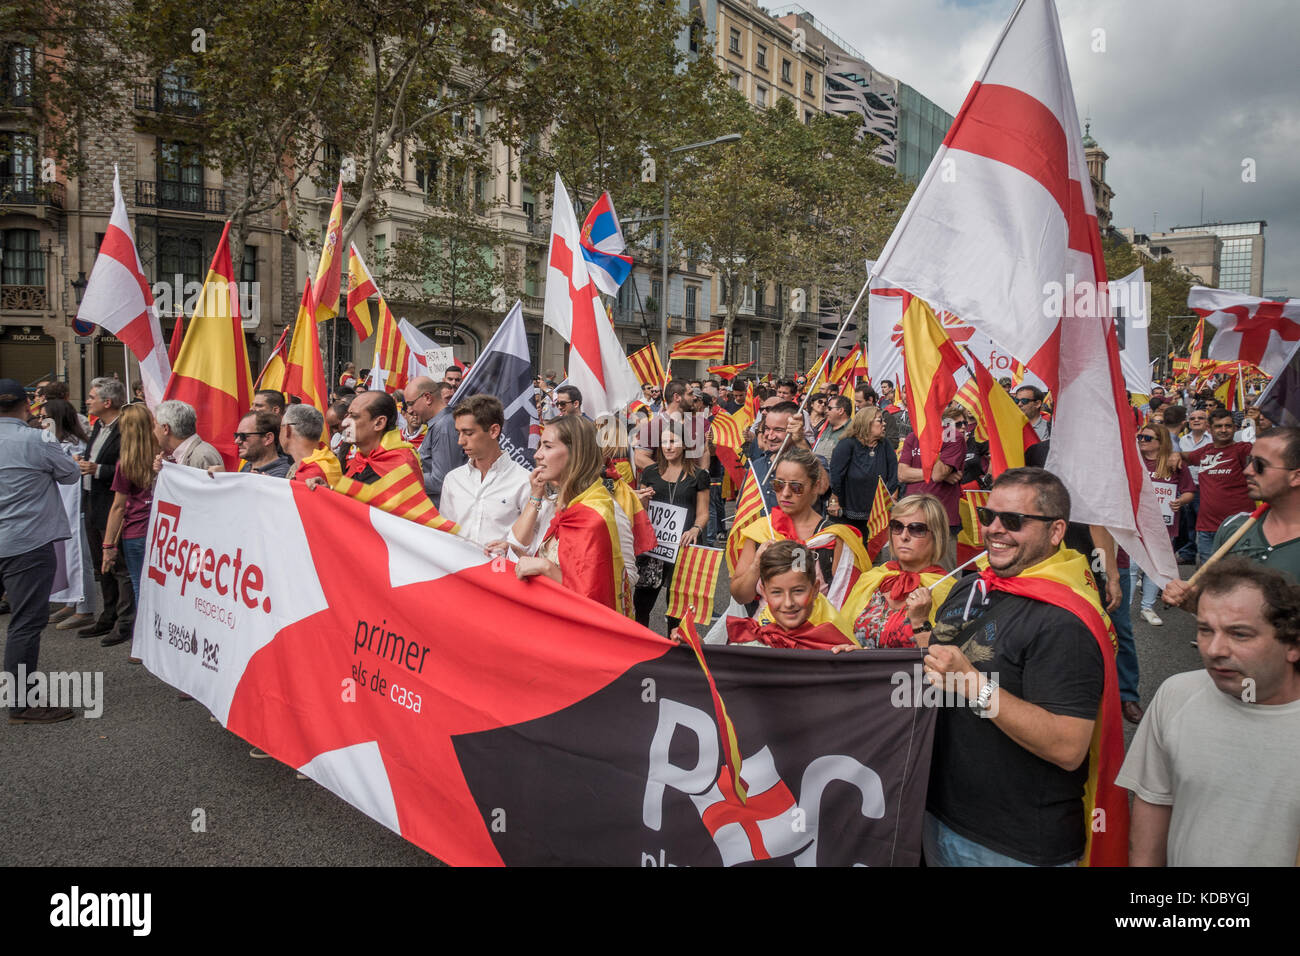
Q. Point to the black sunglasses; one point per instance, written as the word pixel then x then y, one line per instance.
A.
pixel 245 436
pixel 916 529
pixel 1147 438
pixel 1011 520
pixel 1025 401
pixel 1259 464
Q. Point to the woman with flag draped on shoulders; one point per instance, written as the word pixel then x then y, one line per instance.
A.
pixel 798 481
pixel 892 606
pixel 583 548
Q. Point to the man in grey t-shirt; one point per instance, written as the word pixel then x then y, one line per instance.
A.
pixel 1214 765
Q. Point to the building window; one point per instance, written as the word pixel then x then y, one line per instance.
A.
pixel 248 270
pixel 381 252
pixel 24 263
pixel 691 292
pixel 785 72
pixel 804 361
pixel 180 175
pixel 529 202
pixel 808 116
pixel 760 57
pixel 426 173
pixel 481 188
pixel 755 346
pixel 19 71
pixel 656 288
pixel 175 92
pixel 19 166
pixel 808 83
pixel 734 80
pixel 735 41
pixel 760 96
pixel 697 35
pixel 180 254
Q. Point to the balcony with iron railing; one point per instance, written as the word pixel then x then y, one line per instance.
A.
pixel 186 197
pixel 30 191
pixel 154 98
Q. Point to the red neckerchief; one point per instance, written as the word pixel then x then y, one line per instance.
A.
pixel 812 637
pixel 902 583
pixel 783 525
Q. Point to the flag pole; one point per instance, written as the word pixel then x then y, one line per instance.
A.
pixel 126 370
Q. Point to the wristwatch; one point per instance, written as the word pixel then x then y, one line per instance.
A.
pixel 981 703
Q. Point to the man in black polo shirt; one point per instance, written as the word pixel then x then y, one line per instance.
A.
pixel 1011 759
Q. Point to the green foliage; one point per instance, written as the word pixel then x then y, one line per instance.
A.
pixel 454 262
pixel 1169 314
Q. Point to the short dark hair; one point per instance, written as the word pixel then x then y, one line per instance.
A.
pixel 55 390
pixel 383 404
pixel 787 383
pixel 342 390
pixel 1217 414
pixel 1053 500
pixel 1034 390
pixel 273 396
pixel 816 397
pixel 841 402
pixel 1290 438
pixel 486 409
pixel 673 390
pixel 1281 604
pixel 570 393
pixel 785 556
pixel 1174 415
pixel 266 422
pixel 867 392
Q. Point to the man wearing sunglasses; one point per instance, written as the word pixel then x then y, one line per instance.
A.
pixel 258 443
pixel 1222 479
pixel 1030 400
pixel 1272 476
pixel 1010 766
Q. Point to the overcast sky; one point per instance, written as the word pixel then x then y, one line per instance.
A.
pixel 1184 92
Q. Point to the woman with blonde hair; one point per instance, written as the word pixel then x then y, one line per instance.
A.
pixel 128 521
pixel 861 461
pixel 587 546
pixel 891 606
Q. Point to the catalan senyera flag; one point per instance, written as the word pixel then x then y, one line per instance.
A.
pixel 211 372
pixel 304 370
pixel 710 346
pixel 930 360
pixel 728 371
pixel 968 397
pixel 326 298
pixel 878 521
pixel 748 510
pixel 396 483
pixel 361 286
pixel 646 365
pixel 272 374
pixel 729 782
pixel 728 439
pixel 970 540
pixel 1195 347
pixel 1008 430
pixel 695 578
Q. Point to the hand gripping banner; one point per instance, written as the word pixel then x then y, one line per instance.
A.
pixel 495 721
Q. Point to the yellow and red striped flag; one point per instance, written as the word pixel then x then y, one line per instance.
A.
pixel 211 373
pixel 400 488
pixel 1008 430
pixel 1195 346
pixel 728 438
pixel 707 345
pixel 968 397
pixel 878 521
pixel 326 298
pixel 748 510
pixel 361 286
pixel 970 541
pixel 816 373
pixel 273 371
pixel 847 369
pixel 748 410
pixel 1017 372
pixel 646 365
pixel 930 360
pixel 728 371
pixel 695 579
pixel 304 370
pixel 729 778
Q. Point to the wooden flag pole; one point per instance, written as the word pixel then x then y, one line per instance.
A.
pixel 1228 545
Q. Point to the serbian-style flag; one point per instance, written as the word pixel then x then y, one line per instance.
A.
pixel 931 360
pixel 604 247
pixel 1002 231
pixel 327 273
pixel 709 346
pixel 695 579
pixel 1007 429
pixel 728 439
pixel 272 374
pixel 361 286
pixel 304 372
pixel 647 367
pixel 211 372
pixel 178 336
pixel 118 298
pixel 878 521
pixel 597 366
pixel 728 371
pixel 390 478
pixel 1259 331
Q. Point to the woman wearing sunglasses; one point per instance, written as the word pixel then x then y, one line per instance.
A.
pixel 891 605
pixel 1173 486
pixel 798 481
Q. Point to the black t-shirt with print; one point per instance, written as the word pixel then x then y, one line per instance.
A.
pixel 983 784
pixel 681 492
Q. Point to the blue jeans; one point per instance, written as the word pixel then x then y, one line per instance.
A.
pixel 1204 546
pixel 947 847
pixel 717 512
pixel 1126 658
pixel 1150 591
pixel 133 555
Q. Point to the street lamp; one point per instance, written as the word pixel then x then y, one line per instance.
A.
pixel 663 289
pixel 78 291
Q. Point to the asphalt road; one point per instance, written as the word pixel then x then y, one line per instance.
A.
pixel 123 789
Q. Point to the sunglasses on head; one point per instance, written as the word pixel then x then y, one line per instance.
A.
pixel 916 529
pixel 780 484
pixel 1011 520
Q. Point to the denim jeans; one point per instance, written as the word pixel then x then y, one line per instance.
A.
pixel 717 513
pixel 1204 546
pixel 1126 659
pixel 1150 591
pixel 133 555
pixel 947 847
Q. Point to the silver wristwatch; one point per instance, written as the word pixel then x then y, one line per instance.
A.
pixel 981 703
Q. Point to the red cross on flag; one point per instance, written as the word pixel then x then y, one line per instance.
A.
pixel 1259 331
pixel 598 366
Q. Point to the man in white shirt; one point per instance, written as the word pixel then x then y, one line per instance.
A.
pixel 486 495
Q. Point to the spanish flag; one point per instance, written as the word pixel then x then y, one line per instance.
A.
pixel 592 561
pixel 727 441
pixel 1064 580
pixel 391 351
pixel 361 286
pixel 326 299
pixel 272 375
pixel 390 478
pixel 211 373
pixel 321 463
pixel 970 541
pixel 178 337
pixel 645 363
pixel 816 372
pixel 304 371
pixel 728 371
pixel 1008 430
pixel 847 369
pixel 1195 346
pixel 930 359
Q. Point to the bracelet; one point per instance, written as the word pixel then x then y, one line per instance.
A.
pixel 110 547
